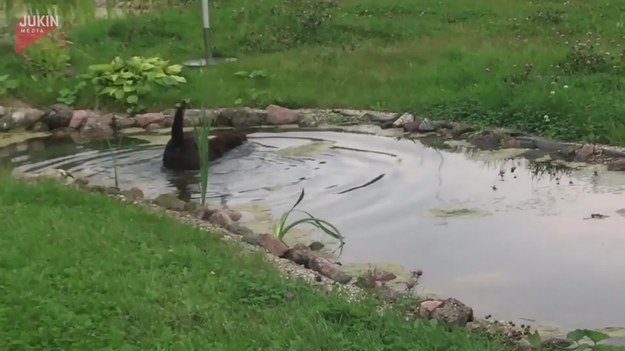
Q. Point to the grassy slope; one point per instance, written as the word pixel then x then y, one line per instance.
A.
pixel 84 272
pixel 441 58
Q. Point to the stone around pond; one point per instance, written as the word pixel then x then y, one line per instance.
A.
pixel 279 115
pixel 169 202
pixel 273 245
pixel 57 116
pixel 618 165
pixel 328 269
pixel 133 194
pixel 450 312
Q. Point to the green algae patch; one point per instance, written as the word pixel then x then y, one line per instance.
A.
pixel 313 148
pixel 457 212
pixel 358 269
pixel 7 139
pixel 621 212
pixel 614 332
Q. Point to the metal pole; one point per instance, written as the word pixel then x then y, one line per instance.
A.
pixel 207 32
pixel 208 59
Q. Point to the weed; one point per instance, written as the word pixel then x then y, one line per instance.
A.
pixel 280 230
pixel 585 57
pixel 49 57
pixel 7 83
pixel 293 22
pixel 68 96
pixel 252 95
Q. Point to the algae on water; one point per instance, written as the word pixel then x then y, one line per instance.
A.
pixel 457 212
pixel 313 148
pixel 7 139
pixel 621 212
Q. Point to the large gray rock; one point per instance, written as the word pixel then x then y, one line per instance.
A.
pixel 240 117
pixel 97 127
pixel 279 115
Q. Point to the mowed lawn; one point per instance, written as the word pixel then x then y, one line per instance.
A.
pixel 87 272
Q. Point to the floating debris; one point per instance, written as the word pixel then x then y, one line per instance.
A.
pixel 457 212
pixel 597 216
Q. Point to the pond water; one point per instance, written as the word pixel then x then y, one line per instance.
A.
pixel 525 251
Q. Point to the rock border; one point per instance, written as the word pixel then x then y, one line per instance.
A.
pixel 83 126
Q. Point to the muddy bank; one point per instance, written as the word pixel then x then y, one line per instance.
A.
pixel 83 126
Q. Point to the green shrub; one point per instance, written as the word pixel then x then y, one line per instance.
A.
pixel 128 81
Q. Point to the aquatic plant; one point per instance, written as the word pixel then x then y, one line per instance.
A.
pixel 202 133
pixel 113 152
pixel 280 230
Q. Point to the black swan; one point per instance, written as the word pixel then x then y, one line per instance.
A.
pixel 181 151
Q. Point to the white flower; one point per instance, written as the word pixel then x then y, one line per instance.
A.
pixel 552 92
pixel 546 117
pixel 565 86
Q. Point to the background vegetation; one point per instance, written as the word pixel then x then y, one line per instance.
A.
pixel 552 67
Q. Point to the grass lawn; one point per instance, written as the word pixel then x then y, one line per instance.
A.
pixel 551 67
pixel 86 272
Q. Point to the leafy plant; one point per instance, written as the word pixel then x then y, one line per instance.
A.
pixel 280 229
pixel 575 337
pixel 127 81
pixel 68 96
pixel 6 84
pixel 202 134
pixel 252 95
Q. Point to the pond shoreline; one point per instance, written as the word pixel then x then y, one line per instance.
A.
pixel 81 126
pixel 87 125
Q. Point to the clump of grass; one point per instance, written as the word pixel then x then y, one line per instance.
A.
pixel 202 134
pixel 281 229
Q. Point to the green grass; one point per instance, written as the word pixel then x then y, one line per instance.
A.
pixel 86 272
pixel 449 59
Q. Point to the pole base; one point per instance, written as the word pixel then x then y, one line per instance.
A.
pixel 210 62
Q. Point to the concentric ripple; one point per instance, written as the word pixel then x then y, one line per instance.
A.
pixel 522 248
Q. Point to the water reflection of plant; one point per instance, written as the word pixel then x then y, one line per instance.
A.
pixel 280 230
pixel 539 169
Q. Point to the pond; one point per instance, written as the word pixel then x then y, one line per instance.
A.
pixel 502 234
